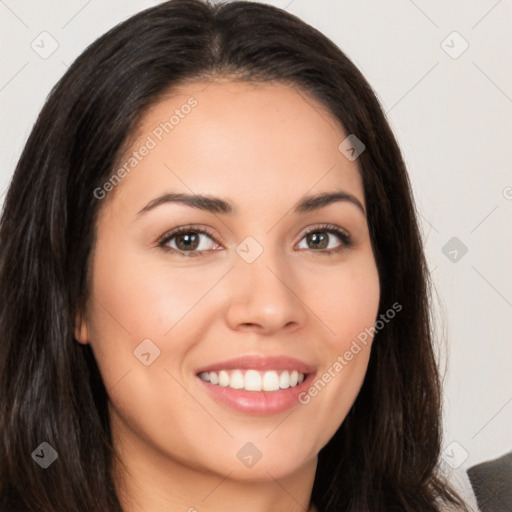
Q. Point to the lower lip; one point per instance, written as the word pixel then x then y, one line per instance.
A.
pixel 259 403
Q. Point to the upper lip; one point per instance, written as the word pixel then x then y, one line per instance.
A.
pixel 252 362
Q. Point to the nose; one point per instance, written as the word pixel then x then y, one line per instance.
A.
pixel 265 296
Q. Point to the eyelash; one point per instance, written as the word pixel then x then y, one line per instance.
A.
pixel 344 237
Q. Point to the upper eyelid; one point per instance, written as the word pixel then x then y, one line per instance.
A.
pixel 326 227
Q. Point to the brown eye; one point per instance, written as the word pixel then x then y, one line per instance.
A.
pixel 318 240
pixel 322 239
pixel 189 242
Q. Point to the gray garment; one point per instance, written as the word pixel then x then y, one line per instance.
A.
pixel 492 484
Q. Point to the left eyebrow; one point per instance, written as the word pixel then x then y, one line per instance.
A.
pixel 218 205
pixel 308 204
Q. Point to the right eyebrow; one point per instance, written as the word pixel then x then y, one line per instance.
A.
pixel 202 202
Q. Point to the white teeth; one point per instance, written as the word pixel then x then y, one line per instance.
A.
pixel 223 379
pixel 270 381
pixel 284 380
pixel 253 380
pixel 237 380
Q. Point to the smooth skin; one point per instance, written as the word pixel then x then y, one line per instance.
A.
pixel 263 147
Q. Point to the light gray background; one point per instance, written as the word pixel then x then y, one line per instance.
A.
pixel 453 119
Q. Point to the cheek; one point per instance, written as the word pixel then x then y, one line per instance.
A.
pixel 135 302
pixel 348 302
pixel 346 298
pixel 140 296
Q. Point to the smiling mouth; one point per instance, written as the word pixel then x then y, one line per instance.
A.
pixel 256 384
pixel 254 380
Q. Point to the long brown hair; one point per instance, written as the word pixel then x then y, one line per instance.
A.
pixel 384 456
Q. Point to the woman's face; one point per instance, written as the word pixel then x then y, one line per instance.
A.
pixel 254 305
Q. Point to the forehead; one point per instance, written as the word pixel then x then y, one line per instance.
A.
pixel 238 139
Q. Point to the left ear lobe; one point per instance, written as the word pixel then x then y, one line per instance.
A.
pixel 81 330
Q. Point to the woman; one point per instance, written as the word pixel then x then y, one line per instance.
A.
pixel 213 289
